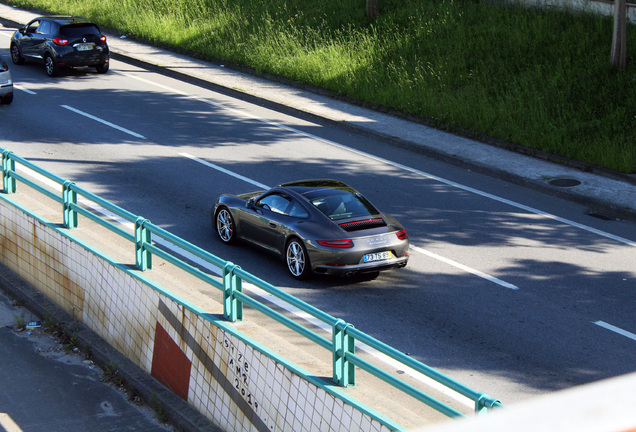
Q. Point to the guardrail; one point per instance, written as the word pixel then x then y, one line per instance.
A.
pixel 343 338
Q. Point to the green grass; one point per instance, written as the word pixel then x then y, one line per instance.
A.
pixel 536 78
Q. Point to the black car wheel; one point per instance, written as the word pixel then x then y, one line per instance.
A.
pixel 297 259
pixel 15 55
pixel 7 99
pixel 102 68
pixel 225 225
pixel 50 65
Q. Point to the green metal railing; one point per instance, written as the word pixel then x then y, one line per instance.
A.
pixel 343 338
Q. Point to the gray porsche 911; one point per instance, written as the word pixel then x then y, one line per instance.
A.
pixel 316 226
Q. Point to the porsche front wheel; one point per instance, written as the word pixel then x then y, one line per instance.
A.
pixel 225 226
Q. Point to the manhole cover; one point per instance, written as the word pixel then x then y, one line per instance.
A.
pixel 564 182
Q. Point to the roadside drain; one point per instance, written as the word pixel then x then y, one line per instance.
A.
pixel 564 182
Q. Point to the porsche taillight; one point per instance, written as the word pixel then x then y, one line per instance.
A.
pixel 401 234
pixel 336 243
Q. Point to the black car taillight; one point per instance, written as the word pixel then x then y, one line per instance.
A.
pixel 102 38
pixel 60 41
pixel 336 243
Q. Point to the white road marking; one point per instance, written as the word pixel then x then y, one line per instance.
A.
pixel 225 171
pixel 465 268
pixel 97 119
pixel 615 329
pixel 31 92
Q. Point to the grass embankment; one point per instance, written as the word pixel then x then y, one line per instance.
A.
pixel 536 78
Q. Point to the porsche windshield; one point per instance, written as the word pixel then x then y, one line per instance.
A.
pixel 344 205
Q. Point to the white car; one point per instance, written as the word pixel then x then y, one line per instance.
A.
pixel 6 83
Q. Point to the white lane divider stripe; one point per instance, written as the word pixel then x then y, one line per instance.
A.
pixel 97 119
pixel 19 87
pixel 617 330
pixel 465 268
pixel 225 171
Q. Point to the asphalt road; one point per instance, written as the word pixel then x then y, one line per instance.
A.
pixel 509 291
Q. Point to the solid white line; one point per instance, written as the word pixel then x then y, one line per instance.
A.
pixel 615 329
pixel 465 268
pixel 136 135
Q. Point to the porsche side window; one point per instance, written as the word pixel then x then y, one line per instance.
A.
pixel 275 202
pixel 298 211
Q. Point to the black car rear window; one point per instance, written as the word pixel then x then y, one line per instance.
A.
pixel 344 205
pixel 79 30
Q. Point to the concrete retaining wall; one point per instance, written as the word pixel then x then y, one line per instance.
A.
pixel 229 378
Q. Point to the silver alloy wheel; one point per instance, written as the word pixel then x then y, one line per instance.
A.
pixel 296 260
pixel 225 225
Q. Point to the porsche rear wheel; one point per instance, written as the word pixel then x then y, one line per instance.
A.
pixel 225 225
pixel 297 259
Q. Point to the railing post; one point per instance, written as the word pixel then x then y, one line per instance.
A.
pixel 143 257
pixel 69 197
pixel 484 403
pixel 232 307
pixel 343 371
pixel 8 166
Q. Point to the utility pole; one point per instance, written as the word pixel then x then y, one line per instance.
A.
pixel 619 38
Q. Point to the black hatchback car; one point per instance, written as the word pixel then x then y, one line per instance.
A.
pixel 58 41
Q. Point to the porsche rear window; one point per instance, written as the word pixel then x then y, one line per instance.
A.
pixel 344 205
pixel 79 30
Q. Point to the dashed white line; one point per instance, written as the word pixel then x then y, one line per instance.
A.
pixel 615 329
pixel 31 92
pixel 465 268
pixel 107 123
pixel 225 171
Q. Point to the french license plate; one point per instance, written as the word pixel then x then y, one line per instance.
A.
pixel 378 256
pixel 85 46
